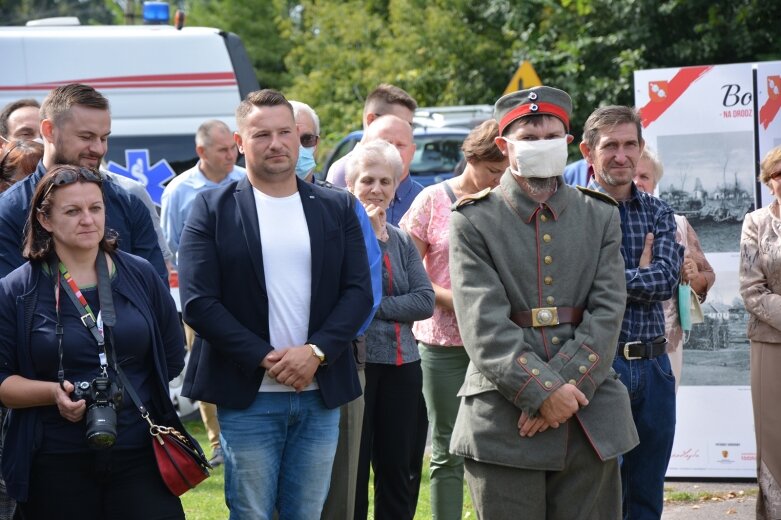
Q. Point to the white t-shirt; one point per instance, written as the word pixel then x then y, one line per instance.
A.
pixel 287 266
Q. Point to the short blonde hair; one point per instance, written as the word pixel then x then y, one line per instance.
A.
pixel 376 152
pixel 766 167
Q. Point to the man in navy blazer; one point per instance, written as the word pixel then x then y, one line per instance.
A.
pixel 275 281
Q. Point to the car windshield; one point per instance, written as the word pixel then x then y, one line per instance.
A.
pixel 436 153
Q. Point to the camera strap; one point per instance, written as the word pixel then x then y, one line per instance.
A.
pixel 107 313
pixel 109 317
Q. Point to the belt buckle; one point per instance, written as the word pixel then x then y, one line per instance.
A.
pixel 545 317
pixel 626 350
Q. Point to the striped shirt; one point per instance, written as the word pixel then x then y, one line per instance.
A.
pixel 647 287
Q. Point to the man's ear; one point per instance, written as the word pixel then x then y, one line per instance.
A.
pixel 501 144
pixel 238 141
pixel 47 130
pixel 586 151
pixel 570 138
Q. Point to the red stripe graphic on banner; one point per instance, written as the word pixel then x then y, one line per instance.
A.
pixel 676 87
pixel 771 107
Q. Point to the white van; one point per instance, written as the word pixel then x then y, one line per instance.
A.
pixel 162 83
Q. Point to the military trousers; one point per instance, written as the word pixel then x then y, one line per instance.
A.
pixel 586 489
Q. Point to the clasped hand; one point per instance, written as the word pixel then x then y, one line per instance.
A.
pixel 293 366
pixel 562 404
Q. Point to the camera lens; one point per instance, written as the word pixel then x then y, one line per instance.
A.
pixel 101 426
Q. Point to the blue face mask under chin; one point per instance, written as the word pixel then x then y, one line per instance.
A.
pixel 306 161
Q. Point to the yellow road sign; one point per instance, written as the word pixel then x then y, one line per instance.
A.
pixel 524 77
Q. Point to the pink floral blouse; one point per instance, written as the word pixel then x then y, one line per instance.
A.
pixel 428 220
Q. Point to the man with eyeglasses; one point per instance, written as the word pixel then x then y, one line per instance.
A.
pixel 543 418
pixel 340 502
pixel 308 125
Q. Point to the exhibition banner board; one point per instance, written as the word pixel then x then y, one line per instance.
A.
pixel 701 123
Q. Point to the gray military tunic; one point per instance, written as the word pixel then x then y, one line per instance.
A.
pixel 509 253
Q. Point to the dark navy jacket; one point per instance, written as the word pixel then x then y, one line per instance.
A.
pixel 125 214
pixel 18 297
pixel 223 292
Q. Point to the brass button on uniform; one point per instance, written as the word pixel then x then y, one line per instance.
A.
pixel 548 280
pixel 546 237
pixel 548 260
pixel 548 384
pixel 543 218
pixel 572 382
pixel 555 340
pixel 550 300
pixel 582 369
pixel 522 360
pixel 592 357
pixel 536 371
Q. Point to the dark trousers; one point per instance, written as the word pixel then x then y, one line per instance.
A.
pixel 392 397
pixel 651 386
pixel 115 484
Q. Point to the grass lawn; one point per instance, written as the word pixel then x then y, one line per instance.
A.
pixel 207 502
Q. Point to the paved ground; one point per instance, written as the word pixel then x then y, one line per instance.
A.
pixel 729 500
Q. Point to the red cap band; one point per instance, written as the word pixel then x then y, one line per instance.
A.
pixel 533 108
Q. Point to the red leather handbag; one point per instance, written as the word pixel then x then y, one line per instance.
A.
pixel 181 464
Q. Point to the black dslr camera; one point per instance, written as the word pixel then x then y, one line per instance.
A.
pixel 103 397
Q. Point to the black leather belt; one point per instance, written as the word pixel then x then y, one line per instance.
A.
pixel 642 349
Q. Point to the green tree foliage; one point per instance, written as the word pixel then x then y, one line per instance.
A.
pixel 591 47
pixel 18 12
pixel 442 52
pixel 258 24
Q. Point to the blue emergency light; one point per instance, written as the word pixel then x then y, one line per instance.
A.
pixel 156 13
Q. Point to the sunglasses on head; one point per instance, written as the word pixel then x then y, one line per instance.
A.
pixel 63 175
pixel 309 140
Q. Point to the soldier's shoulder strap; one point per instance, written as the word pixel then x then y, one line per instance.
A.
pixel 470 199
pixel 604 197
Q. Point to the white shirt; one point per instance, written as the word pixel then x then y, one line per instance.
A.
pixel 287 266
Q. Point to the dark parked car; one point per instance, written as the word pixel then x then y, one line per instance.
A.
pixel 438 151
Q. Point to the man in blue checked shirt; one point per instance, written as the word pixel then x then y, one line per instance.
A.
pixel 612 144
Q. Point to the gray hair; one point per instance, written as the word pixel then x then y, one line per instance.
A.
pixel 203 137
pixel 651 156
pixel 299 107
pixel 376 152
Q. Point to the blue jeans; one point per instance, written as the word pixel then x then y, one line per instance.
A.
pixel 278 454
pixel 651 386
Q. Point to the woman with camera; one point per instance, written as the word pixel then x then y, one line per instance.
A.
pixel 74 447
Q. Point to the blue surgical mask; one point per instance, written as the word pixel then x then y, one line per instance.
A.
pixel 306 161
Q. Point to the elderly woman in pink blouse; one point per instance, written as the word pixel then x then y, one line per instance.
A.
pixel 760 287
pixel 444 360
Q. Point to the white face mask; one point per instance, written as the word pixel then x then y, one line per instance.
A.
pixel 540 159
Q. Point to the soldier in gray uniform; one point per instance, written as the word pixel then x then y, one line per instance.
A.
pixel 539 293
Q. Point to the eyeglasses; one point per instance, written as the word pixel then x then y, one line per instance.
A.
pixel 64 174
pixel 309 140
